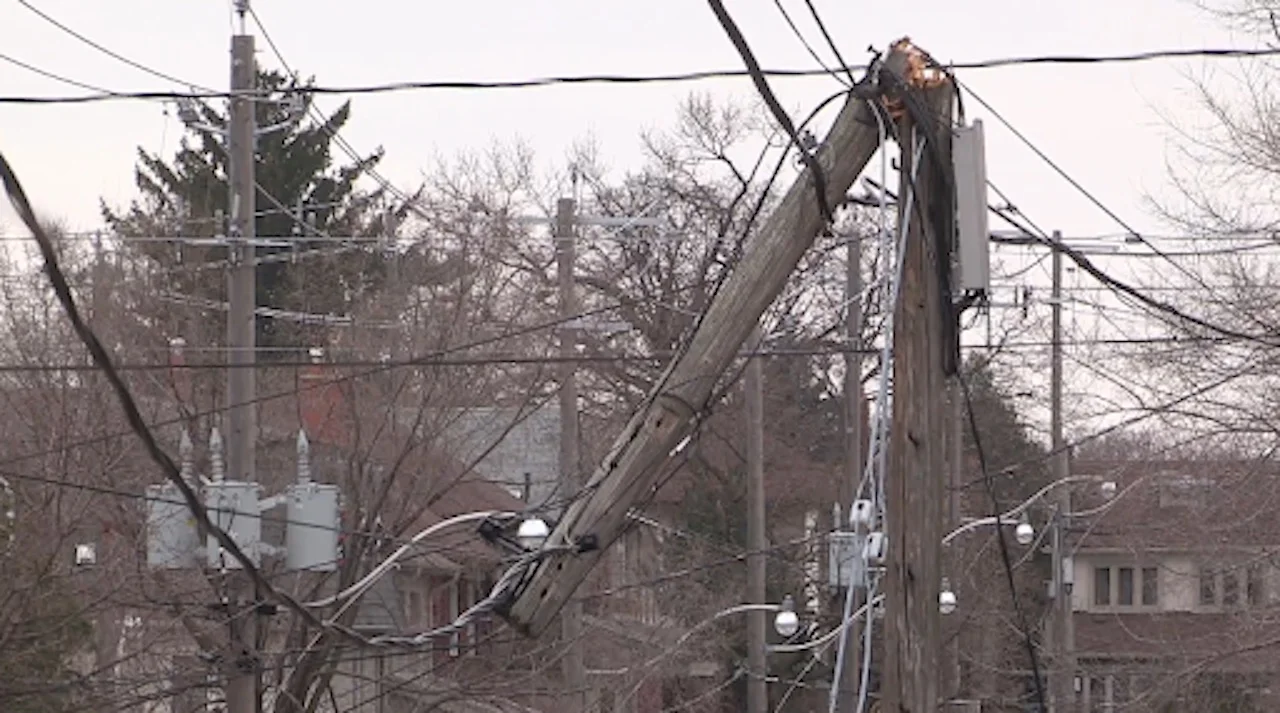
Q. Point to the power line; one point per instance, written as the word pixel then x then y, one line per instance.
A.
pixel 388 364
pixel 138 425
pixel 624 79
pixel 782 8
pixel 342 143
pixel 371 372
pixel 1120 287
pixel 110 53
pixel 835 49
pixel 321 122
pixel 102 93
pixel 771 101
pixel 1022 624
pixel 1133 233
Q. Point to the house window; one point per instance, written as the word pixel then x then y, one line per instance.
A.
pixel 1241 586
pixel 1208 587
pixel 1230 588
pixel 1150 586
pixel 1126 587
pixel 1254 585
pixel 1102 586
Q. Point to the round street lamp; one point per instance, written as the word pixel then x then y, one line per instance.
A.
pixel 533 533
pixel 786 622
pixel 1024 533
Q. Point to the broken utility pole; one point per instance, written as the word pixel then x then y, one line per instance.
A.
pixel 682 395
pixel 917 467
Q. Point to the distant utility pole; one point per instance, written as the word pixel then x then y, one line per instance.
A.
pixel 917 467
pixel 1063 671
pixel 575 674
pixel 753 385
pixel 243 673
pixel 854 425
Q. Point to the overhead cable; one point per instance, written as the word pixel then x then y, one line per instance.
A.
pixel 627 79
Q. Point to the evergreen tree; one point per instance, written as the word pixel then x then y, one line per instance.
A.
pixel 187 196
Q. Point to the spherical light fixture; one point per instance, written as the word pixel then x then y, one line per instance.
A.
pixel 533 533
pixel 1108 489
pixel 1024 533
pixel 786 623
pixel 946 598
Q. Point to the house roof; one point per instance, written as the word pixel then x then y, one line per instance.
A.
pixel 380 608
pixel 1179 505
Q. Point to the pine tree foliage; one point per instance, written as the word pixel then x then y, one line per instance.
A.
pixel 304 191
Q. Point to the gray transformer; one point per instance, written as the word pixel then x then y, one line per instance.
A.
pixel 234 508
pixel 311 537
pixel 173 540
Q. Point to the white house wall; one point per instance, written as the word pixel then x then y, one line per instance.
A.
pixel 1178 577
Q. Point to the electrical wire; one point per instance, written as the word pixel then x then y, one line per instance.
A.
pixel 110 53
pixel 1121 287
pixel 342 143
pixel 330 382
pixel 103 93
pixel 629 79
pixel 143 432
pixel 782 8
pixel 361 586
pixel 133 415
pixel 1132 232
pixel 831 43
pixel 775 108
pixel 1005 557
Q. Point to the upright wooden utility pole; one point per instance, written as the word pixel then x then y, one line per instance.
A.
pixel 753 385
pixel 917 467
pixel 854 428
pixel 242 686
pixel 571 621
pixel 1062 676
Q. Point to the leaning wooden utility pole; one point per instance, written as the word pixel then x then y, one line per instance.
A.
pixel 683 393
pixel 914 493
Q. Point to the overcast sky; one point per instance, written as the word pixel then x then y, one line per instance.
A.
pixel 1104 123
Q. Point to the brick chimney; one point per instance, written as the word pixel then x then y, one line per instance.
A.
pixel 323 410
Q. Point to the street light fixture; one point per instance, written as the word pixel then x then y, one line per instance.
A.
pixel 533 533
pixel 786 622
pixel 1024 533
